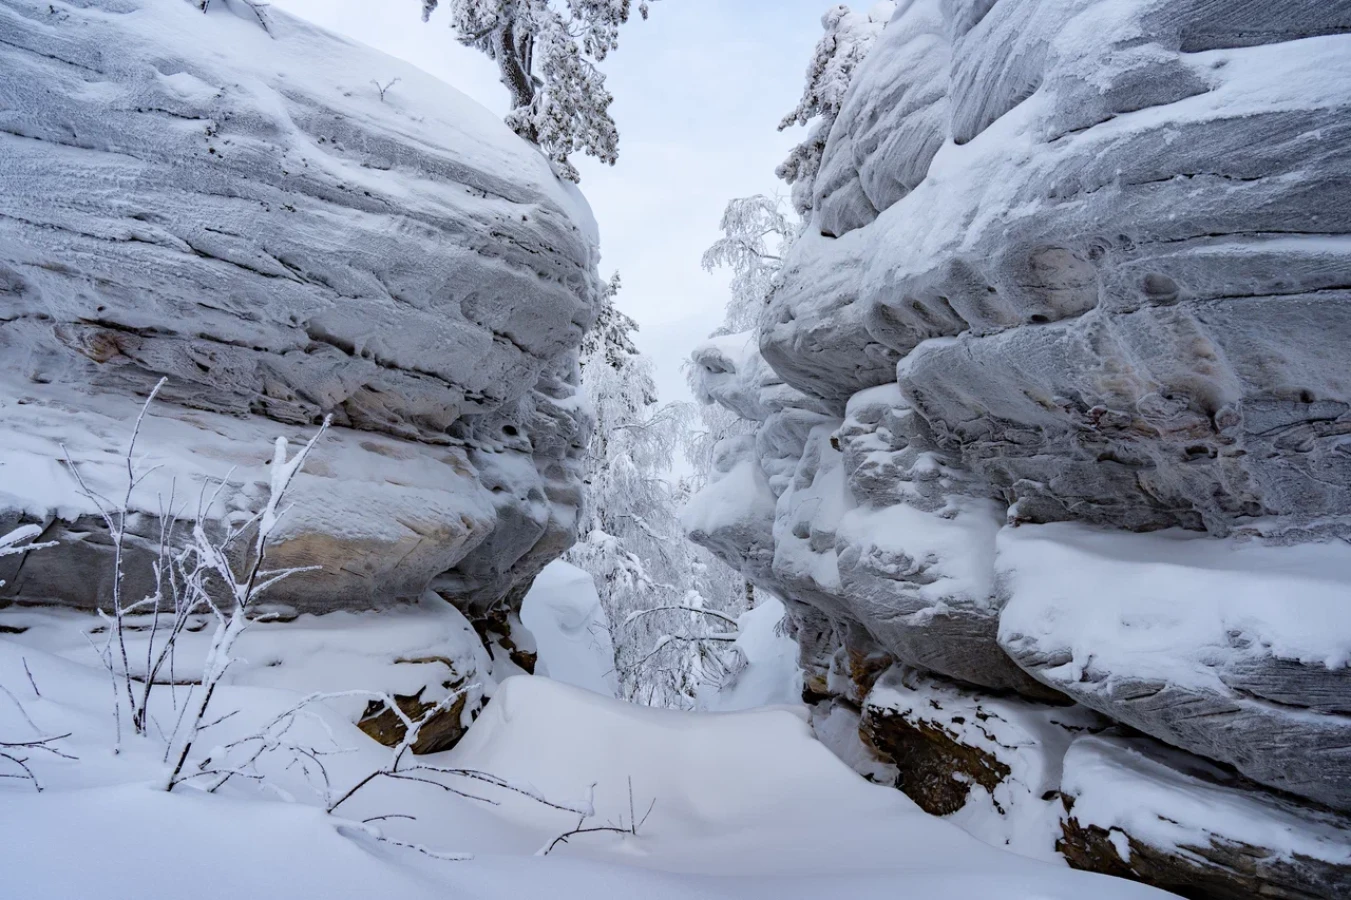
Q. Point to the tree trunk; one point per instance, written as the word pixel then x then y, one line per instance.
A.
pixel 513 61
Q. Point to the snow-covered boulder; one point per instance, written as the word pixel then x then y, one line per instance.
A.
pixel 885 137
pixel 228 201
pixel 814 331
pixel 733 517
pixel 1130 243
pixel 564 615
pixel 914 552
pixel 728 370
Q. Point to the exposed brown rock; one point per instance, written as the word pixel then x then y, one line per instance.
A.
pixel 441 732
pixel 495 630
pixel 865 667
pixel 1138 809
pixel 937 771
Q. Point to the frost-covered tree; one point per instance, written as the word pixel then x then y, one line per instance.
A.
pixel 648 576
pixel 848 39
pixel 546 52
pixel 755 234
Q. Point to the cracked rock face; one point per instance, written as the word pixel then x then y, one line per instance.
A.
pixel 1071 314
pixel 239 211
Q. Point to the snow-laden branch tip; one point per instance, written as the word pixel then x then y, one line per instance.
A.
pixel 206 562
pixel 18 753
pixel 620 828
pixel 713 613
pixel 756 234
pixel 19 541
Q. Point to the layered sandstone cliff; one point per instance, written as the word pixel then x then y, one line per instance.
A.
pixel 1054 405
pixel 285 226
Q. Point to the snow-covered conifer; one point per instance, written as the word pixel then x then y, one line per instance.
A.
pixel 848 38
pixel 546 52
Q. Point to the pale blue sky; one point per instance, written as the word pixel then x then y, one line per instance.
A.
pixel 698 92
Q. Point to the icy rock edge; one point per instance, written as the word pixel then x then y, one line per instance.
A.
pixel 1052 429
pixel 240 209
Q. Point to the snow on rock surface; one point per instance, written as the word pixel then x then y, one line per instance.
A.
pixel 226 200
pixel 991 763
pixel 1226 648
pixel 770 676
pixel 733 517
pixel 729 787
pixel 1126 228
pixel 1139 808
pixel 1069 315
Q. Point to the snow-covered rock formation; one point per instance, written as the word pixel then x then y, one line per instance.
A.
pixel 286 226
pixel 1067 329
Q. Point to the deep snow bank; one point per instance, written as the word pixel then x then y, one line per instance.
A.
pixel 742 805
pixel 1076 269
pixel 233 204
pixel 563 613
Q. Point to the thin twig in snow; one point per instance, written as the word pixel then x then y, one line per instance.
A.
pixel 31 683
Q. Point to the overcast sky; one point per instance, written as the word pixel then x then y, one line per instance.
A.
pixel 699 89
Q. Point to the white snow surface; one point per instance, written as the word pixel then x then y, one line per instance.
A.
pixel 771 676
pixel 954 547
pixel 738 496
pixel 572 634
pixel 837 727
pixel 1173 605
pixel 743 805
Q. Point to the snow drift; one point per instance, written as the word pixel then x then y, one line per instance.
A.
pixel 744 805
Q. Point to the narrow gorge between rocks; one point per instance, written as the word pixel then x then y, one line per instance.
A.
pixel 355 536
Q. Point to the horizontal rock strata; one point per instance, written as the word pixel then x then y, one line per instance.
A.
pixel 236 209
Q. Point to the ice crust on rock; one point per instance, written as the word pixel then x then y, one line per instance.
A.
pixel 1070 314
pixel 239 209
